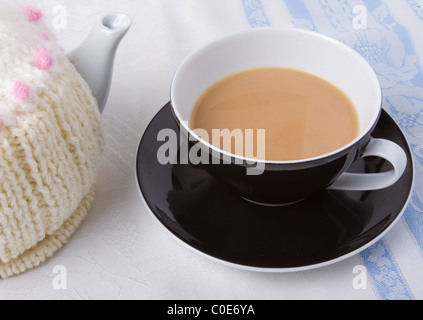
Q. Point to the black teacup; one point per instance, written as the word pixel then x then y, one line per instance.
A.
pixel 284 182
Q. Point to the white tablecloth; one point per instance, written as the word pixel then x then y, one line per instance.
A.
pixel 120 252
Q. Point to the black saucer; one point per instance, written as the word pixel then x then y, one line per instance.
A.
pixel 209 218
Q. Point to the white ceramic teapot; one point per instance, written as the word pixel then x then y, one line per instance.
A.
pixel 94 58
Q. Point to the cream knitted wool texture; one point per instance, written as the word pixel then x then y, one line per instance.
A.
pixel 50 142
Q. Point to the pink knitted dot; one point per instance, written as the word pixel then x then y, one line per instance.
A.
pixel 44 59
pixel 44 36
pixel 32 14
pixel 21 91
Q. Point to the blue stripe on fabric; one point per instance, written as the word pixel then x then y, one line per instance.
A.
pixel 301 17
pixel 378 259
pixel 385 273
pixel 417 7
pixel 414 219
pixel 416 149
pixel 255 13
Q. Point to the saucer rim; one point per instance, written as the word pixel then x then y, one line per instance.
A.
pixel 279 270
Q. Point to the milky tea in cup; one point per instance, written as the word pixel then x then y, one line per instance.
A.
pixel 303 116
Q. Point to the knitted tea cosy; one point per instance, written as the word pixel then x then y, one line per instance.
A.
pixel 50 142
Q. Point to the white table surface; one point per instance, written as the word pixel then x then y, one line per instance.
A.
pixel 120 251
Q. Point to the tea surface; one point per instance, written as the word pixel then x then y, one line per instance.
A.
pixel 303 115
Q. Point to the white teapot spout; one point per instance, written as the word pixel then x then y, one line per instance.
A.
pixel 94 58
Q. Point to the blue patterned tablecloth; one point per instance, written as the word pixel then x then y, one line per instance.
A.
pixel 394 49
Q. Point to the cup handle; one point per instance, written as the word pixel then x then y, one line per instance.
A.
pixel 375 181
